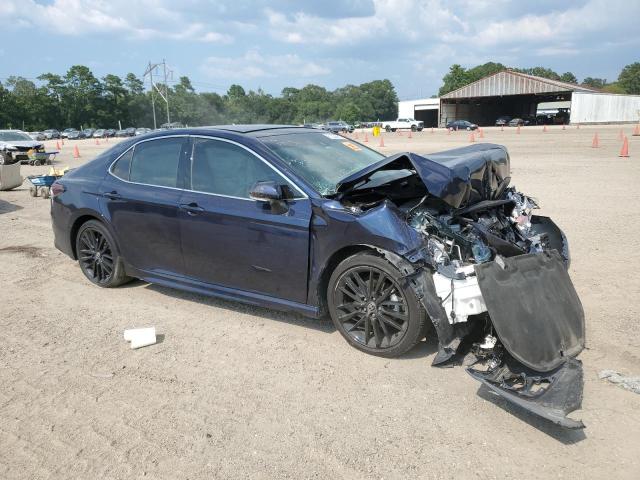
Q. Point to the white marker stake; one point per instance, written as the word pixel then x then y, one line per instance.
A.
pixel 140 337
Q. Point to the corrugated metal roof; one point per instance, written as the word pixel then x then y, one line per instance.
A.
pixel 509 82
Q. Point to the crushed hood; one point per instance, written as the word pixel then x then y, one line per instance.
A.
pixel 459 177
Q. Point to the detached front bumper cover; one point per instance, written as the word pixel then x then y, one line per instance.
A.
pixel 551 395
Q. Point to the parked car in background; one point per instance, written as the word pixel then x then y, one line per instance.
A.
pixel 461 125
pixel 301 220
pixel 51 133
pixel 142 130
pixel 65 133
pixel 75 135
pixel 172 125
pixel 37 136
pixel 88 132
pixel 403 124
pixel 503 120
pixel 110 132
pixel 338 127
pixel 519 122
pixel 99 133
pixel 15 146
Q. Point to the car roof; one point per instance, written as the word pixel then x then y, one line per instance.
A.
pixel 253 130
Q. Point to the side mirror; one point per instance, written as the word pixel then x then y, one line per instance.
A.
pixel 267 191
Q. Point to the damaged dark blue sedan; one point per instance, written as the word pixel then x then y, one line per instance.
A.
pixel 393 248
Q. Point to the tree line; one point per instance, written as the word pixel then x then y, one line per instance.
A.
pixel 628 80
pixel 80 99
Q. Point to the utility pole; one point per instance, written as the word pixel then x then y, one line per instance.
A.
pixel 166 74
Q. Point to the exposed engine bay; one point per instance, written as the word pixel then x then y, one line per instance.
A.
pixel 493 275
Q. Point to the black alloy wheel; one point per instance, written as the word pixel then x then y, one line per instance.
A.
pixel 371 309
pixel 98 259
pixel 95 256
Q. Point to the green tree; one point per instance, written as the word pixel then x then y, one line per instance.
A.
pixel 456 78
pixel 594 82
pixel 629 78
pixel 569 78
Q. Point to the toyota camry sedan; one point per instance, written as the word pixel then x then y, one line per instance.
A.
pixel 393 248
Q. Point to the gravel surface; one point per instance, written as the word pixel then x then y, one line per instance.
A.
pixel 233 391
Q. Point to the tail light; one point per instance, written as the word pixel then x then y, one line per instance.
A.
pixel 57 188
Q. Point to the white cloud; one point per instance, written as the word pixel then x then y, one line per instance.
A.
pixel 144 19
pixel 254 64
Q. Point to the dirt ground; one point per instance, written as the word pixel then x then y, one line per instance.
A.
pixel 233 391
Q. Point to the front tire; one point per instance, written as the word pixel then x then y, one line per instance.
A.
pixel 97 256
pixel 373 307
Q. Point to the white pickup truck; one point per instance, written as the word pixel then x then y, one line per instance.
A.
pixel 403 124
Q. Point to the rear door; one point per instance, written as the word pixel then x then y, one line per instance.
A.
pixel 233 241
pixel 140 197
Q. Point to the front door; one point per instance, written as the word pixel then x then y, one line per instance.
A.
pixel 231 240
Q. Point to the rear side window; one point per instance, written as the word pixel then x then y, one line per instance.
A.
pixel 224 168
pixel 122 166
pixel 156 162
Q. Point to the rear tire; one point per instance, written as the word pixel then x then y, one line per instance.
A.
pixel 97 256
pixel 373 307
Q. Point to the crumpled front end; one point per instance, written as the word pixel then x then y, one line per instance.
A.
pixel 492 277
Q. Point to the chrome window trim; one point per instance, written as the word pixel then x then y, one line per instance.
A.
pixel 132 148
pixel 266 162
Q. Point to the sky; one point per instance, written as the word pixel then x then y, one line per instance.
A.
pixel 286 43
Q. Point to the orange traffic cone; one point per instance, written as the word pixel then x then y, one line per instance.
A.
pixel 518 130
pixel 76 152
pixel 97 142
pixel 544 129
pixel 480 133
pixel 636 131
pixel 381 141
pixel 472 137
pixel 366 138
pixel 624 151
pixel 596 141
pixel 57 145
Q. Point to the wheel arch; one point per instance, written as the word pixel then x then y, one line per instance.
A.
pixel 342 254
pixel 81 220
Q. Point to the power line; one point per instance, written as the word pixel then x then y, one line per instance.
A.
pixel 155 88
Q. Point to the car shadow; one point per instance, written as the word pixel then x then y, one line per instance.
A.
pixel 6 207
pixel 321 324
pixel 564 435
pixel 426 348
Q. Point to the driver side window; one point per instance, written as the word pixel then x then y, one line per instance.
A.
pixel 224 168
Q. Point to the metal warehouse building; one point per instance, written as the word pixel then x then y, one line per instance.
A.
pixel 518 95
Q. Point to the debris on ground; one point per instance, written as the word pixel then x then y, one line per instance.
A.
pixel 628 383
pixel 140 337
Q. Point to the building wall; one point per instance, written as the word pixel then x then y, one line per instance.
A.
pixel 406 108
pixel 604 108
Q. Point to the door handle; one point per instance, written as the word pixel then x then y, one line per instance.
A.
pixel 191 208
pixel 112 195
